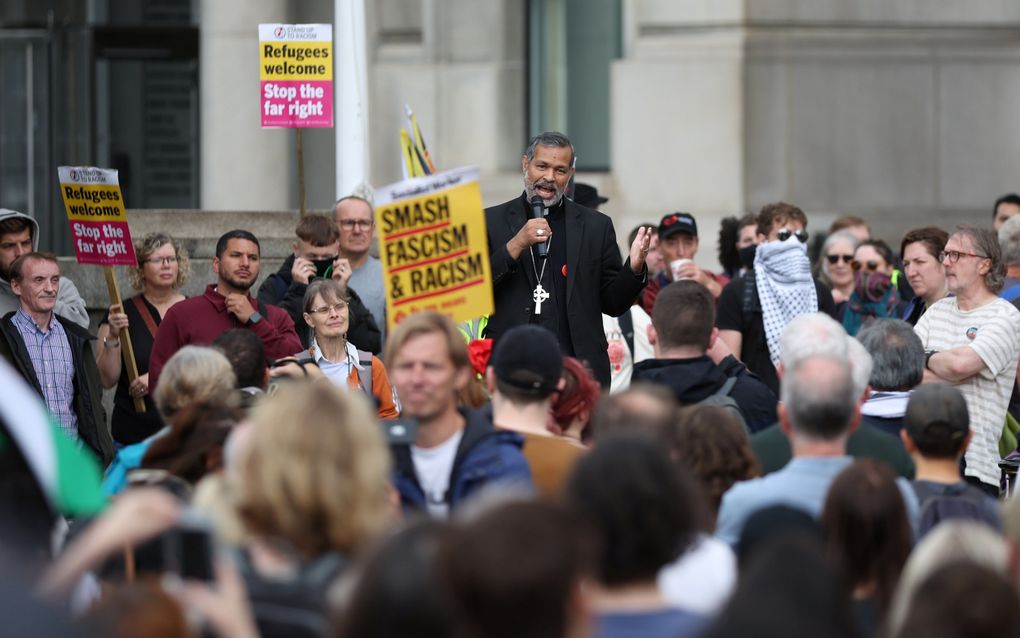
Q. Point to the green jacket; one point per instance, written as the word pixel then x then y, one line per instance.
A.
pixel 773 449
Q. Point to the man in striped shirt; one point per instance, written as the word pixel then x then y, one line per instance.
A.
pixel 54 354
pixel 972 340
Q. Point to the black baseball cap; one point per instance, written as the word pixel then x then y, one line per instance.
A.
pixel 528 359
pixel 674 223
pixel 937 419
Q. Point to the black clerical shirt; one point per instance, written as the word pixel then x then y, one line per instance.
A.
pixel 554 280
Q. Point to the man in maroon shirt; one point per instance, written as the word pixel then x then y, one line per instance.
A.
pixel 225 305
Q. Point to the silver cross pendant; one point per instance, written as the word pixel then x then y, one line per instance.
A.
pixel 539 295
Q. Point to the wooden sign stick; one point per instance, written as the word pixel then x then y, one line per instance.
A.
pixel 127 350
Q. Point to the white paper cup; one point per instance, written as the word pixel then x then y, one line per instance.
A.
pixel 675 265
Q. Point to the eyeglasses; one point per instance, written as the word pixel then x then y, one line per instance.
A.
pixel 835 259
pixel 162 261
pixel 325 310
pixel 784 234
pixel 871 265
pixel 954 256
pixel 362 224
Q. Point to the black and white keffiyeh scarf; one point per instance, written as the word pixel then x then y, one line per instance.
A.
pixel 782 274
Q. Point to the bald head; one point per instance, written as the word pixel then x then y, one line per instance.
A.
pixel 642 407
pixel 818 397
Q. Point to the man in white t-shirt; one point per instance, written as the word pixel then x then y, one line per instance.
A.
pixel 456 452
pixel 972 340
pixel 627 344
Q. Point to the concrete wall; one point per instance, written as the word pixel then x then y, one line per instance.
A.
pixel 896 112
pixel 243 166
pixel 900 112
pixel 677 123
pixel 460 65
pixel 899 128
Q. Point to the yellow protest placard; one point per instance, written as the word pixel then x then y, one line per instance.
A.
pixel 95 210
pixel 99 227
pixel 296 75
pixel 296 52
pixel 434 247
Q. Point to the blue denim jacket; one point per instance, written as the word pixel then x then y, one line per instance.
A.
pixel 485 456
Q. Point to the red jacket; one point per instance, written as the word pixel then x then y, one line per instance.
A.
pixel 199 320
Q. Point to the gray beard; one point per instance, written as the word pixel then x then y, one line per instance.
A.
pixel 530 192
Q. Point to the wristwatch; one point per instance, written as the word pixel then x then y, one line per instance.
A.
pixel 927 356
pixel 111 342
pixel 254 318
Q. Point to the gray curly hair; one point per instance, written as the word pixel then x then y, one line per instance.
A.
pixel 986 243
pixel 150 244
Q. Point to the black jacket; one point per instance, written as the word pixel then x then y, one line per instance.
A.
pixel 280 289
pixel 597 282
pixel 88 393
pixel 696 379
pixel 891 425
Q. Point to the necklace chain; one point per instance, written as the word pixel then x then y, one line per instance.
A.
pixel 534 266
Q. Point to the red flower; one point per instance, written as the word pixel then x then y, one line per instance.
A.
pixel 479 352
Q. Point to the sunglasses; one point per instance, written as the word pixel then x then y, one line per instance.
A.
pixel 784 234
pixel 835 259
pixel 871 265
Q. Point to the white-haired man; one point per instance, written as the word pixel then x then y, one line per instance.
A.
pixel 972 340
pixel 817 333
pixel 824 378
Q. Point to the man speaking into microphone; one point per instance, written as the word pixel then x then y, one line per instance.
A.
pixel 556 263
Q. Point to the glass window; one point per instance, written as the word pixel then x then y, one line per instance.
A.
pixel 571 45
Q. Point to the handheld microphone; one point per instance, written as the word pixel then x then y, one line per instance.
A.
pixel 536 213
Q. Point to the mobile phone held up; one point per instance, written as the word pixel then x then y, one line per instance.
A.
pixel 187 549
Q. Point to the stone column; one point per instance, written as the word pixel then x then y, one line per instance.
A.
pixel 677 110
pixel 460 65
pixel 243 166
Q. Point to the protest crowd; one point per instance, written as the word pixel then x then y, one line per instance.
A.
pixel 820 439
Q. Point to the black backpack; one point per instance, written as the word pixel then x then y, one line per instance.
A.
pixel 947 502
pixel 296 607
pixel 721 399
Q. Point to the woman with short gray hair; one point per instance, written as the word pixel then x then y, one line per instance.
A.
pixel 329 318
